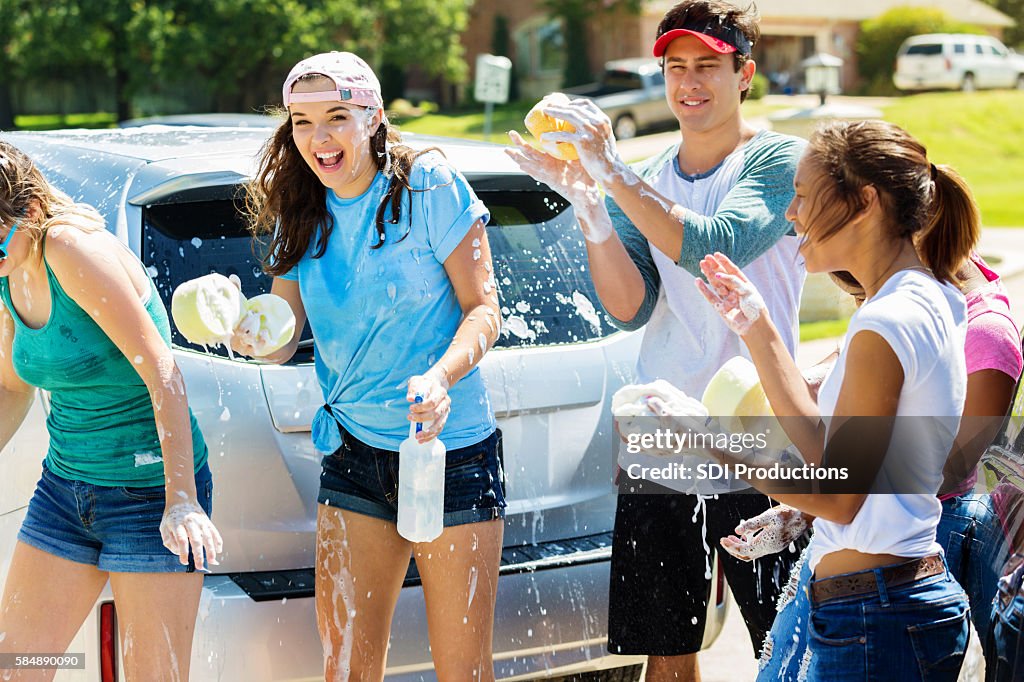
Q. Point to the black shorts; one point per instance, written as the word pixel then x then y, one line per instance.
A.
pixel 659 591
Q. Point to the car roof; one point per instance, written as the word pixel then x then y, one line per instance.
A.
pixel 638 64
pixel 940 37
pixel 112 168
pixel 162 143
pixel 220 120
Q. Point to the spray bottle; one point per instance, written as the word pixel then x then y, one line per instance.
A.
pixel 420 486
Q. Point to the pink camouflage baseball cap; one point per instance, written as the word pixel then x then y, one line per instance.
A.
pixel 354 80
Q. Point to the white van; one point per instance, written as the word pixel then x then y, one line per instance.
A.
pixel 957 61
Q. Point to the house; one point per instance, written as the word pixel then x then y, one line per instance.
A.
pixel 790 31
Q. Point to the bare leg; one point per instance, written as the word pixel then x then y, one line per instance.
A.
pixel 672 668
pixel 45 601
pixel 360 566
pixel 460 582
pixel 156 620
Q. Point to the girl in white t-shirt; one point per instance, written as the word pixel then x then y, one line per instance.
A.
pixel 884 606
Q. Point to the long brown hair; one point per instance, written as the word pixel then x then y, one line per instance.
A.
pixel 928 203
pixel 287 202
pixel 22 183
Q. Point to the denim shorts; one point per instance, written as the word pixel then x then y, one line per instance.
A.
pixel 116 529
pixel 1004 648
pixel 360 478
pixel 917 631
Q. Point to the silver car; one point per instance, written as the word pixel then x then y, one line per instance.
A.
pixel 174 196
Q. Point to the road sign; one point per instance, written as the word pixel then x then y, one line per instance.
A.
pixel 493 75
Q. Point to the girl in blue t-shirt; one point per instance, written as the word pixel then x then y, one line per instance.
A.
pixel 384 251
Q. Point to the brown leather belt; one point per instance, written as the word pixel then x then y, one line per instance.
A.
pixel 863 582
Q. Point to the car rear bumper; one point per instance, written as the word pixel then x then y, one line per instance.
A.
pixel 262 626
pixel 931 82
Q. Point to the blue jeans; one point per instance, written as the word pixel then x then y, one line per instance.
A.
pixel 784 655
pixel 971 536
pixel 1004 649
pixel 917 631
pixel 913 632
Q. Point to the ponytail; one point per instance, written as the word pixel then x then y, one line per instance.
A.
pixel 928 204
pixel 953 227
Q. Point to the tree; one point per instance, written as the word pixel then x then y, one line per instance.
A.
pixel 1014 35
pixel 78 38
pixel 239 51
pixel 880 39
pixel 501 44
pixel 9 28
pixel 242 49
pixel 235 52
pixel 574 15
pixel 420 33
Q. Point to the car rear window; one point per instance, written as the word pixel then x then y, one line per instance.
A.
pixel 960 48
pixel 540 263
pixel 925 49
pixel 620 80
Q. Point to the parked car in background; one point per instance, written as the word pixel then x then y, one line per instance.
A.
pixel 632 93
pixel 957 61
pixel 173 195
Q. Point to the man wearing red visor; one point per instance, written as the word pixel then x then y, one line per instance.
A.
pixel 723 187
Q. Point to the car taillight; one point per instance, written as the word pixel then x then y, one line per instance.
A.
pixel 108 642
pixel 949 64
pixel 719 583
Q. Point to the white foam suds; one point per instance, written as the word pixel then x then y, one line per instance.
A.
pixel 517 326
pixel 145 458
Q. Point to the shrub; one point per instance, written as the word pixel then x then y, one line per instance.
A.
pixel 880 39
pixel 758 86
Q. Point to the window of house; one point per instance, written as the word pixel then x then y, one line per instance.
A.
pixel 540 47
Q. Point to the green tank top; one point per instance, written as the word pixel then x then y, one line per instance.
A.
pixel 101 424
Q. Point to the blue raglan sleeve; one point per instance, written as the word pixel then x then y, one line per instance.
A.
pixel 639 251
pixel 752 216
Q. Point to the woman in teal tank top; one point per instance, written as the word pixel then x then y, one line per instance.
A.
pixel 125 493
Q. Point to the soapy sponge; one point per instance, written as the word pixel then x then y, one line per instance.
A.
pixel 538 123
pixel 210 310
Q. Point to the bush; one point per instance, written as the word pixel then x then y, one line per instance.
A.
pixel 758 86
pixel 880 39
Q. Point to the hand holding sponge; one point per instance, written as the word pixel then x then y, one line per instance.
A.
pixel 211 310
pixel 538 123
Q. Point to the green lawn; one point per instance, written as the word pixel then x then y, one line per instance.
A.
pixel 470 124
pixel 825 329
pixel 57 121
pixel 980 134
